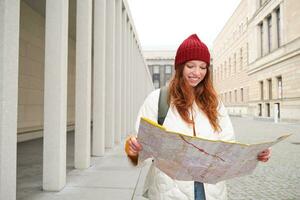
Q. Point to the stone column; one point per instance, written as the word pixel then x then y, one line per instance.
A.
pixel 132 81
pixel 98 140
pixel 127 117
pixel 110 85
pixel 123 72
pixel 55 95
pixel 9 60
pixel 130 124
pixel 118 51
pixel 274 31
pixel 83 84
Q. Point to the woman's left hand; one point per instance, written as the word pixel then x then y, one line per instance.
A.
pixel 265 155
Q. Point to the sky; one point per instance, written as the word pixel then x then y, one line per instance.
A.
pixel 164 24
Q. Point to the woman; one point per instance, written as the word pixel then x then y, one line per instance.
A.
pixel 194 109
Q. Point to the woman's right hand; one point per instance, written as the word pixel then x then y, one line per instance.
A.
pixel 132 146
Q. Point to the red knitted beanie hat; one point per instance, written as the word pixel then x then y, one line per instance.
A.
pixel 192 49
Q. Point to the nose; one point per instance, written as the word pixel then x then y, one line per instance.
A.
pixel 197 71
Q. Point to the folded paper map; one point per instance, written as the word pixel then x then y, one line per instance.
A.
pixel 189 158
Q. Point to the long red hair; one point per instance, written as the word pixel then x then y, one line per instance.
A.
pixel 182 96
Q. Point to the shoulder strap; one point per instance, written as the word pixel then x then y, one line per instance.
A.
pixel 163 105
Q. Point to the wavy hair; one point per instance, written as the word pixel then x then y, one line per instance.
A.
pixel 182 96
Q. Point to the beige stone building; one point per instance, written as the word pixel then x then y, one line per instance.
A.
pixel 161 66
pixel 256 60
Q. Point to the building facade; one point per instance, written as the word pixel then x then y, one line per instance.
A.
pixel 64 65
pixel 256 60
pixel 161 66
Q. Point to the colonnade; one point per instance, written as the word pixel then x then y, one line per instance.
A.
pixel 112 79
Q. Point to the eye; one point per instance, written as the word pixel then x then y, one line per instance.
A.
pixel 190 66
pixel 203 67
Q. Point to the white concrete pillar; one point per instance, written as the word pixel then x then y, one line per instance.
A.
pixel 123 72
pixel 9 60
pixel 118 57
pixel 128 80
pixel 98 140
pixel 132 72
pixel 55 95
pixel 130 124
pixel 83 84
pixel 110 85
pixel 274 31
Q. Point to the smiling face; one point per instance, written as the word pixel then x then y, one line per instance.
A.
pixel 194 72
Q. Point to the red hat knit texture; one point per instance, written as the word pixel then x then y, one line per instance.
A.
pixel 192 49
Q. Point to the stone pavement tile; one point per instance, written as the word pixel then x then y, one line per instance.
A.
pixel 82 193
pixel 105 178
pixel 139 198
pixel 279 178
pixel 141 180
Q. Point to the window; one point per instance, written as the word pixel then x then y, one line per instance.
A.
pixel 168 69
pixel 261 83
pixel 278 26
pixel 261 31
pixel 259 110
pixel 235 95
pixel 155 69
pixel 234 63
pixel 229 67
pixel 279 87
pixel 269 22
pixel 225 70
pixel 167 79
pixel 270 88
pixel 268 109
pixel 230 97
pixel 225 96
pixel 156 80
pixel 277 108
pixel 241 58
pixel 156 84
pixel 242 94
pixel 247 52
pixel 221 72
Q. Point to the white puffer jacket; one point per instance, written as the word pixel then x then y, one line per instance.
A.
pixel 158 185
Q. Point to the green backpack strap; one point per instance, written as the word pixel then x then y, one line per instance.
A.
pixel 163 105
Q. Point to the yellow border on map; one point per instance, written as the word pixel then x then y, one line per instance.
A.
pixel 194 137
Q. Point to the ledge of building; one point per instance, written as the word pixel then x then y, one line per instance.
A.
pixel 35 132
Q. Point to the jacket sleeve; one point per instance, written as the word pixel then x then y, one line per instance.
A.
pixel 227 131
pixel 149 109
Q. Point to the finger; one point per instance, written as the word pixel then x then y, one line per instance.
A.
pixel 264 152
pixel 263 159
pixel 261 154
pixel 132 152
pixel 132 145
pixel 136 144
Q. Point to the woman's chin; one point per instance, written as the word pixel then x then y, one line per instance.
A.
pixel 193 84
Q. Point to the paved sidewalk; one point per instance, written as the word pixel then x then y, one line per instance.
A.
pixel 109 178
pixel 279 178
pixel 112 177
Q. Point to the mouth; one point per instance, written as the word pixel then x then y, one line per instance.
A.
pixel 194 79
